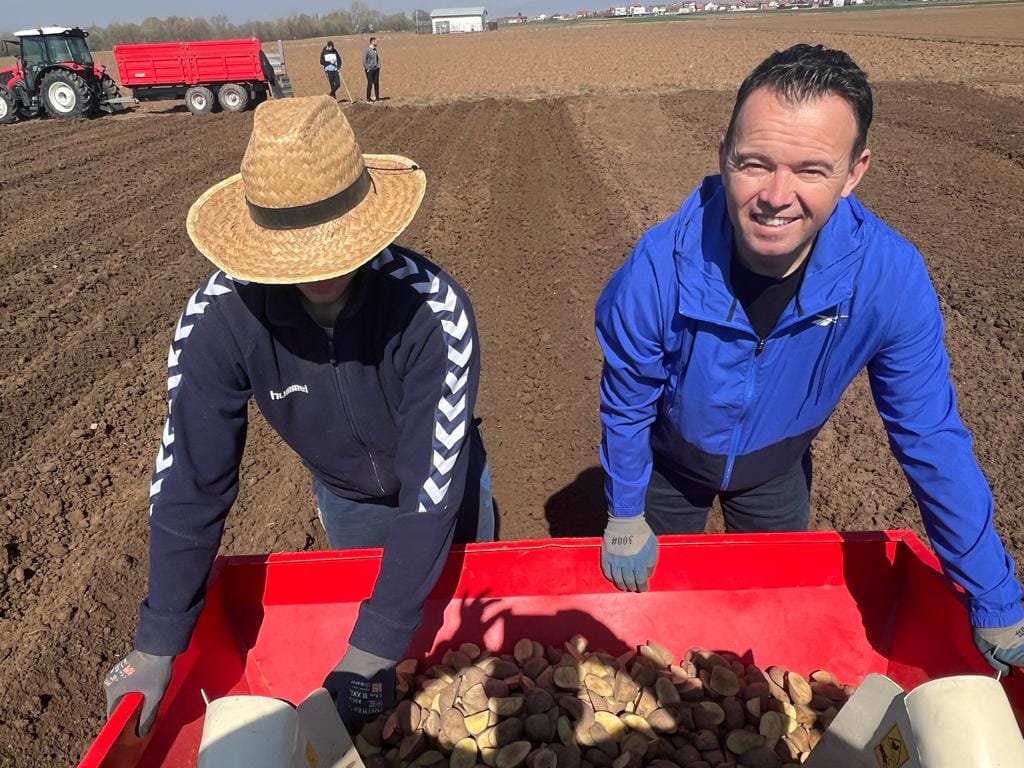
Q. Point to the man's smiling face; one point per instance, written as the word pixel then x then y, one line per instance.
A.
pixel 784 172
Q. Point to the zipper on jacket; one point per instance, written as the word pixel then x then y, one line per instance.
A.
pixel 347 407
pixel 738 429
pixel 760 346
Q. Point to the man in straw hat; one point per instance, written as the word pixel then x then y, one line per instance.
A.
pixel 361 354
pixel 734 328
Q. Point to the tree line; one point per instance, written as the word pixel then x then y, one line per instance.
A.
pixel 358 19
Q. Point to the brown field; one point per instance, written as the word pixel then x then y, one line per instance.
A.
pixel 548 152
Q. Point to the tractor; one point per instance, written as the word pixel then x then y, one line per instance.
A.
pixel 54 73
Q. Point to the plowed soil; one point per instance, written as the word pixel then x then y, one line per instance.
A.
pixel 531 204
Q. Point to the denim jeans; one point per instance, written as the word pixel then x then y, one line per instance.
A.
pixel 360 524
pixel 675 504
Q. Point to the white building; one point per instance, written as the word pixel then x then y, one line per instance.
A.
pixel 445 20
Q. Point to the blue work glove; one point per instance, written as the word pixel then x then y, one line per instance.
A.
pixel 628 552
pixel 1002 647
pixel 143 673
pixel 362 686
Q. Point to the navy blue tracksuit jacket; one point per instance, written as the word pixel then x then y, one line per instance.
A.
pixel 385 408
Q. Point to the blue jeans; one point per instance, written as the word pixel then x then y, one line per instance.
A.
pixel 360 524
pixel 675 504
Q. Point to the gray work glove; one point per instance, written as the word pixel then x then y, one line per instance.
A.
pixel 143 673
pixel 362 686
pixel 628 552
pixel 1002 647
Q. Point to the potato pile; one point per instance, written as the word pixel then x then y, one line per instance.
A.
pixel 572 708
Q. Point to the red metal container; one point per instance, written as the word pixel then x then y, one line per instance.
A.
pixel 854 603
pixel 190 63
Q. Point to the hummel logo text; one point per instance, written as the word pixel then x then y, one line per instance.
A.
pixel 293 388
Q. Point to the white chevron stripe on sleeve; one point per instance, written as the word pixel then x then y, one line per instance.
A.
pixel 181 332
pixel 215 289
pixel 461 358
pixel 435 492
pixel 194 308
pixel 455 382
pixel 452 411
pixel 446 305
pixel 458 328
pixel 163 460
pixel 444 465
pixel 449 439
pixel 453 405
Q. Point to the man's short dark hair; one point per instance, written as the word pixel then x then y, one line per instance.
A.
pixel 373 39
pixel 806 72
pixel 330 43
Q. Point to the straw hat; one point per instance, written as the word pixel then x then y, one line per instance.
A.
pixel 308 205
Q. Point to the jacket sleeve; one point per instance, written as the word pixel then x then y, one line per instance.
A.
pixel 367 58
pixel 323 58
pixel 195 481
pixel 630 329
pixel 441 369
pixel 911 385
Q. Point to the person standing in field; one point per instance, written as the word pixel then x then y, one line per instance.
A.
pixel 735 326
pixel 371 65
pixel 330 60
pixel 361 354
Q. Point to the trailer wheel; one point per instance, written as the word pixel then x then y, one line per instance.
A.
pixel 8 106
pixel 65 94
pixel 109 90
pixel 200 100
pixel 233 97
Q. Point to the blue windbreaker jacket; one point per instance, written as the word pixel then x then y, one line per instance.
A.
pixel 684 377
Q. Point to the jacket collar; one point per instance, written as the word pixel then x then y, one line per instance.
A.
pixel 703 255
pixel 284 303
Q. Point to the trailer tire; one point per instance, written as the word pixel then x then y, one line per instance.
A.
pixel 233 97
pixel 200 100
pixel 109 90
pixel 8 106
pixel 66 94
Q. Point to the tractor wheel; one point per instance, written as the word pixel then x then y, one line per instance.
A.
pixel 233 97
pixel 8 106
pixel 199 100
pixel 109 90
pixel 65 94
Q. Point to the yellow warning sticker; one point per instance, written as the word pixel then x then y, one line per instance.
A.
pixel 891 751
pixel 312 759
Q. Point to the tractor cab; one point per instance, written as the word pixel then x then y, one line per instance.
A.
pixel 49 46
pixel 55 73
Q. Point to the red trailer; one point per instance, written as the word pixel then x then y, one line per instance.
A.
pixel 232 74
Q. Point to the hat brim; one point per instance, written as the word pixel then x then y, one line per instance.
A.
pixel 222 230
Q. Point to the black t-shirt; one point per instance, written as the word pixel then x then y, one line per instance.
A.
pixel 764 298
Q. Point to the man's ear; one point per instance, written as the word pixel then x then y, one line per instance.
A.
pixel 722 153
pixel 857 172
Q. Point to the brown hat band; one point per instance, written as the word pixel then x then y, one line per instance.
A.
pixel 311 214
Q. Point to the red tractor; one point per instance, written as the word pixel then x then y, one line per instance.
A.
pixel 55 73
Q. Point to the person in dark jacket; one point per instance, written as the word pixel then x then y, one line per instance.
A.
pixel 330 60
pixel 364 357
pixel 371 65
pixel 733 329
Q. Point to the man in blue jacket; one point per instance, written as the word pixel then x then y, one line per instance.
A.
pixel 735 326
pixel 361 354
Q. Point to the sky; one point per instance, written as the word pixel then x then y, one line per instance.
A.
pixel 20 14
